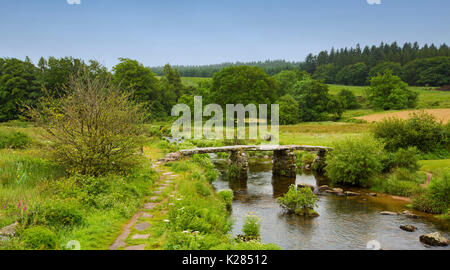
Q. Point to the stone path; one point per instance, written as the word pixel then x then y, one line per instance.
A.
pixel 137 230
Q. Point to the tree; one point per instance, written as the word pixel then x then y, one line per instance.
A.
pixel 19 87
pixel 132 77
pixel 286 79
pixel 384 67
pixel 348 99
pixel 93 127
pixel 300 201
pixel 313 100
pixel 326 73
pixel 288 110
pixel 389 92
pixel 243 85
pixel 355 74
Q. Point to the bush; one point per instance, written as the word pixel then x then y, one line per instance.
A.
pixel 14 140
pixel 299 201
pixel 348 99
pixel 93 128
pixel 354 160
pixel 403 158
pixel 436 198
pixel 39 237
pixel 389 92
pixel 54 214
pixel 226 195
pixel 251 226
pixel 421 130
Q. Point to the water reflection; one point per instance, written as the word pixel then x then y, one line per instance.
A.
pixel 344 222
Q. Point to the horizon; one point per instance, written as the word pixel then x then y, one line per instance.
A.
pixel 203 33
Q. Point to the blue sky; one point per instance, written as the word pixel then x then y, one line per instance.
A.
pixel 212 31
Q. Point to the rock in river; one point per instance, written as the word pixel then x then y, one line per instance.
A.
pixel 350 193
pixel 324 187
pixel 434 239
pixel 409 214
pixel 408 228
pixel 388 213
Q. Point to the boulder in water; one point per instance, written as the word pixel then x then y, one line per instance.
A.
pixel 351 193
pixel 408 228
pixel 301 185
pixel 434 239
pixel 388 213
pixel 409 214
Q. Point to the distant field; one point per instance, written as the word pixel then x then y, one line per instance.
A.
pixel 428 97
pixel 193 81
pixel 441 114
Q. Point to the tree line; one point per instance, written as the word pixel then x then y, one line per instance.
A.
pixel 426 65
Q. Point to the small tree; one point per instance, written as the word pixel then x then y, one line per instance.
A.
pixel 299 201
pixel 288 110
pixel 354 160
pixel 389 92
pixel 93 128
pixel 251 227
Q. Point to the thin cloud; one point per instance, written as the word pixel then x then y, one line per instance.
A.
pixel 74 2
pixel 374 2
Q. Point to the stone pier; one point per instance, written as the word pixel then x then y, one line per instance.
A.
pixel 284 163
pixel 238 164
pixel 319 162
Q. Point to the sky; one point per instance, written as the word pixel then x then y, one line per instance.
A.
pixel 197 32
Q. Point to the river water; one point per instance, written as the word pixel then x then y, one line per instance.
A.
pixel 344 222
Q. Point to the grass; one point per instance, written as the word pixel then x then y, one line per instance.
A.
pixel 434 165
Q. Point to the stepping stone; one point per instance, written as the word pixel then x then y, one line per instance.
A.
pixel 147 215
pixel 142 226
pixel 140 236
pixel 168 181
pixel 167 173
pixel 137 247
pixel 149 206
pixel 154 198
pixel 157 192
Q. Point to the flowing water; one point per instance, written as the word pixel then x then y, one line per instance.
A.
pixel 344 222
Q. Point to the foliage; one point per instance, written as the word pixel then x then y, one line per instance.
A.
pixel 287 79
pixel 384 67
pixel 402 158
pixel 226 195
pixel 354 74
pixel 141 82
pixel 314 101
pixel 243 85
pixel 93 128
pixel 402 182
pixel 39 237
pixel 348 99
pixel 436 198
pixel 389 92
pixel 18 86
pixel 251 226
pixel 420 130
pixel 354 160
pixel 429 71
pixel 289 110
pixel 55 214
pixel 14 140
pixel 326 73
pixel 300 201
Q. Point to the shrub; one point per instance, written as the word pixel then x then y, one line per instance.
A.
pixel 354 160
pixel 299 201
pixel 14 140
pixel 348 99
pixel 436 198
pixel 403 158
pixel 39 237
pixel 251 226
pixel 389 92
pixel 248 245
pixel 421 130
pixel 93 127
pixel 55 214
pixel 202 188
pixel 226 195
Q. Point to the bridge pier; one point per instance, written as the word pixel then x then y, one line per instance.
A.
pixel 238 165
pixel 284 163
pixel 319 162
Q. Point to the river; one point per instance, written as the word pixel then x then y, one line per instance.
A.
pixel 344 222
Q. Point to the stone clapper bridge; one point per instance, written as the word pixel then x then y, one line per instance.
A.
pixel 284 158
